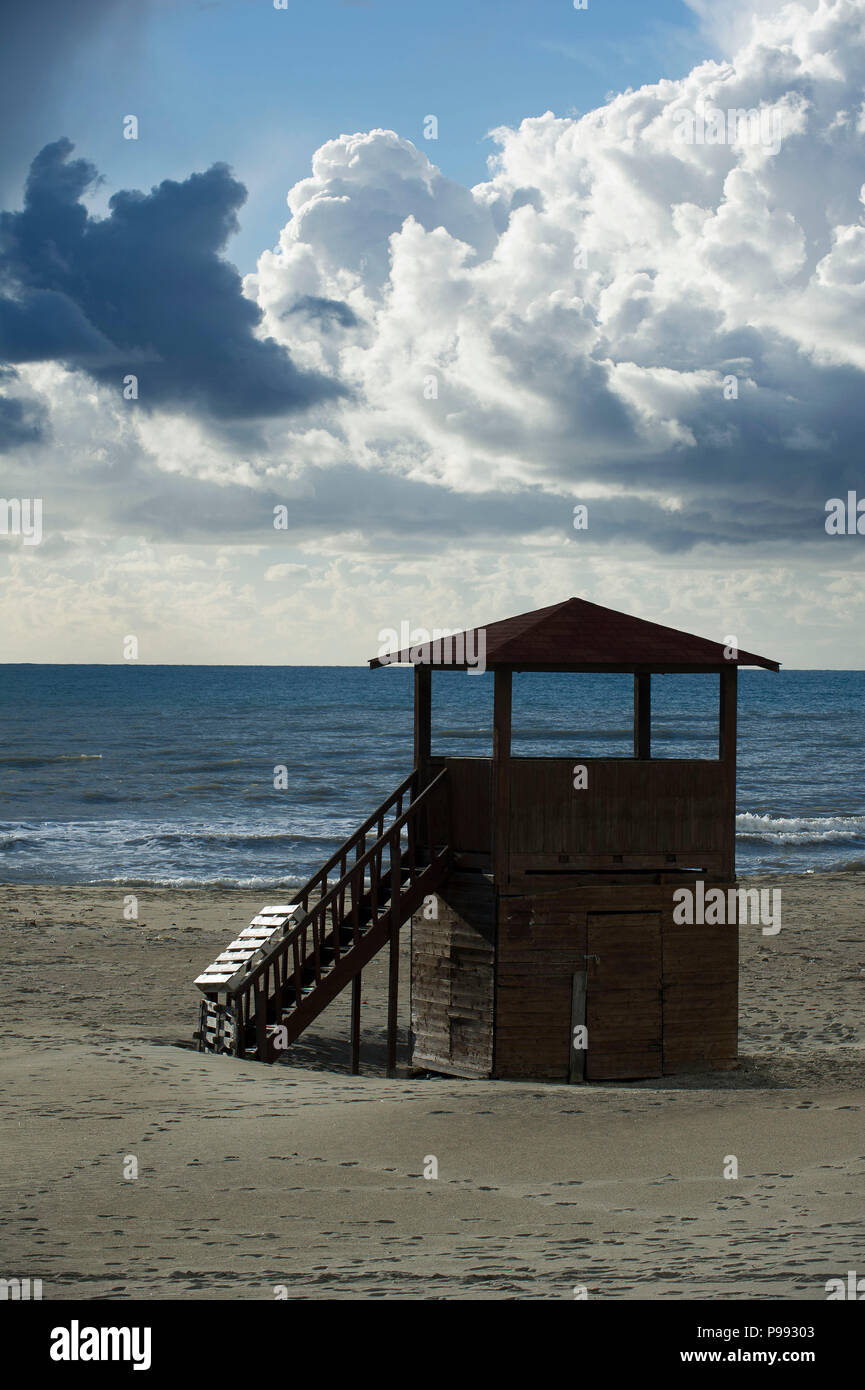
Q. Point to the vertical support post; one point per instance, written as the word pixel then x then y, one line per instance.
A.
pixel 393 947
pixel 577 1063
pixel 423 748
pixel 642 715
pixel 727 755
pixel 501 774
pixel 422 722
pixel 355 1025
pixel 410 1040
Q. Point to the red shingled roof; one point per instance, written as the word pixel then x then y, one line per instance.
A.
pixel 578 634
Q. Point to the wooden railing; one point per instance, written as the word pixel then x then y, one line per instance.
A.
pixel 356 843
pixel 372 893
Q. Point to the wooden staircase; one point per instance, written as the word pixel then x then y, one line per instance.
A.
pixel 294 959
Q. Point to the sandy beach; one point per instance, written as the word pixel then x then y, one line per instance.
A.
pixel 300 1180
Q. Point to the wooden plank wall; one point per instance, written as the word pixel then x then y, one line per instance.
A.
pixel 642 812
pixel 452 979
pixel 623 988
pixel 541 946
pixel 631 809
pixel 471 779
pixel 700 994
pixel 543 940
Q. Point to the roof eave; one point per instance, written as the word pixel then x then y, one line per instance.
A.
pixel 590 667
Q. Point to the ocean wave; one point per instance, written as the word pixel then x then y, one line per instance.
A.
pixel 573 735
pixel 806 716
pixel 481 732
pixel 217 764
pixel 111 798
pixel 46 759
pixel 319 832
pixel 239 839
pixel 681 734
pixel 799 830
pixel 188 881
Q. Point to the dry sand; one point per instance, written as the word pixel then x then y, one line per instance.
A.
pixel 302 1176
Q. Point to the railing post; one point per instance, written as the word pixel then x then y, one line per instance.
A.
pixel 373 890
pixel 260 1022
pixel 317 932
pixel 298 979
pixel 411 838
pixel 238 1025
pixel 278 980
pixel 335 918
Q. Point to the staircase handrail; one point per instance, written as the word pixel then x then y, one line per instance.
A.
pixel 301 895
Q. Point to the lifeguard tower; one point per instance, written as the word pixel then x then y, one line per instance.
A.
pixel 540 891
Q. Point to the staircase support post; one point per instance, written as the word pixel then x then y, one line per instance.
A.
pixel 355 1025
pixel 392 1000
pixel 393 960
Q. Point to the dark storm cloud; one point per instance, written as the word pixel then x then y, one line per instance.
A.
pixel 327 311
pixel 21 421
pixel 407 516
pixel 37 325
pixel 142 291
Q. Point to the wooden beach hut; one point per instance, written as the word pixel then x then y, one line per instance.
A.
pixel 539 891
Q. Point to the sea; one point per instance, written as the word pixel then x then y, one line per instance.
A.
pixel 252 775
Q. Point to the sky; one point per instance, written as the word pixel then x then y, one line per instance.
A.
pixel 379 293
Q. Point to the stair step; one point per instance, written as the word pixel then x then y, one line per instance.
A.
pixel 262 922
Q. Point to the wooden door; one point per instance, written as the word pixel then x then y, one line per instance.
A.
pixel 623 995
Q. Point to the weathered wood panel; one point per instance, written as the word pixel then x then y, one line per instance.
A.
pixel 701 994
pixel 629 808
pixel 623 995
pixel 541 946
pixel 471 780
pixel 663 996
pixel 633 814
pixel 452 979
pixel 616 850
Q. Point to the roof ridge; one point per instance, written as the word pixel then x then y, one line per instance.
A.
pixel 536 614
